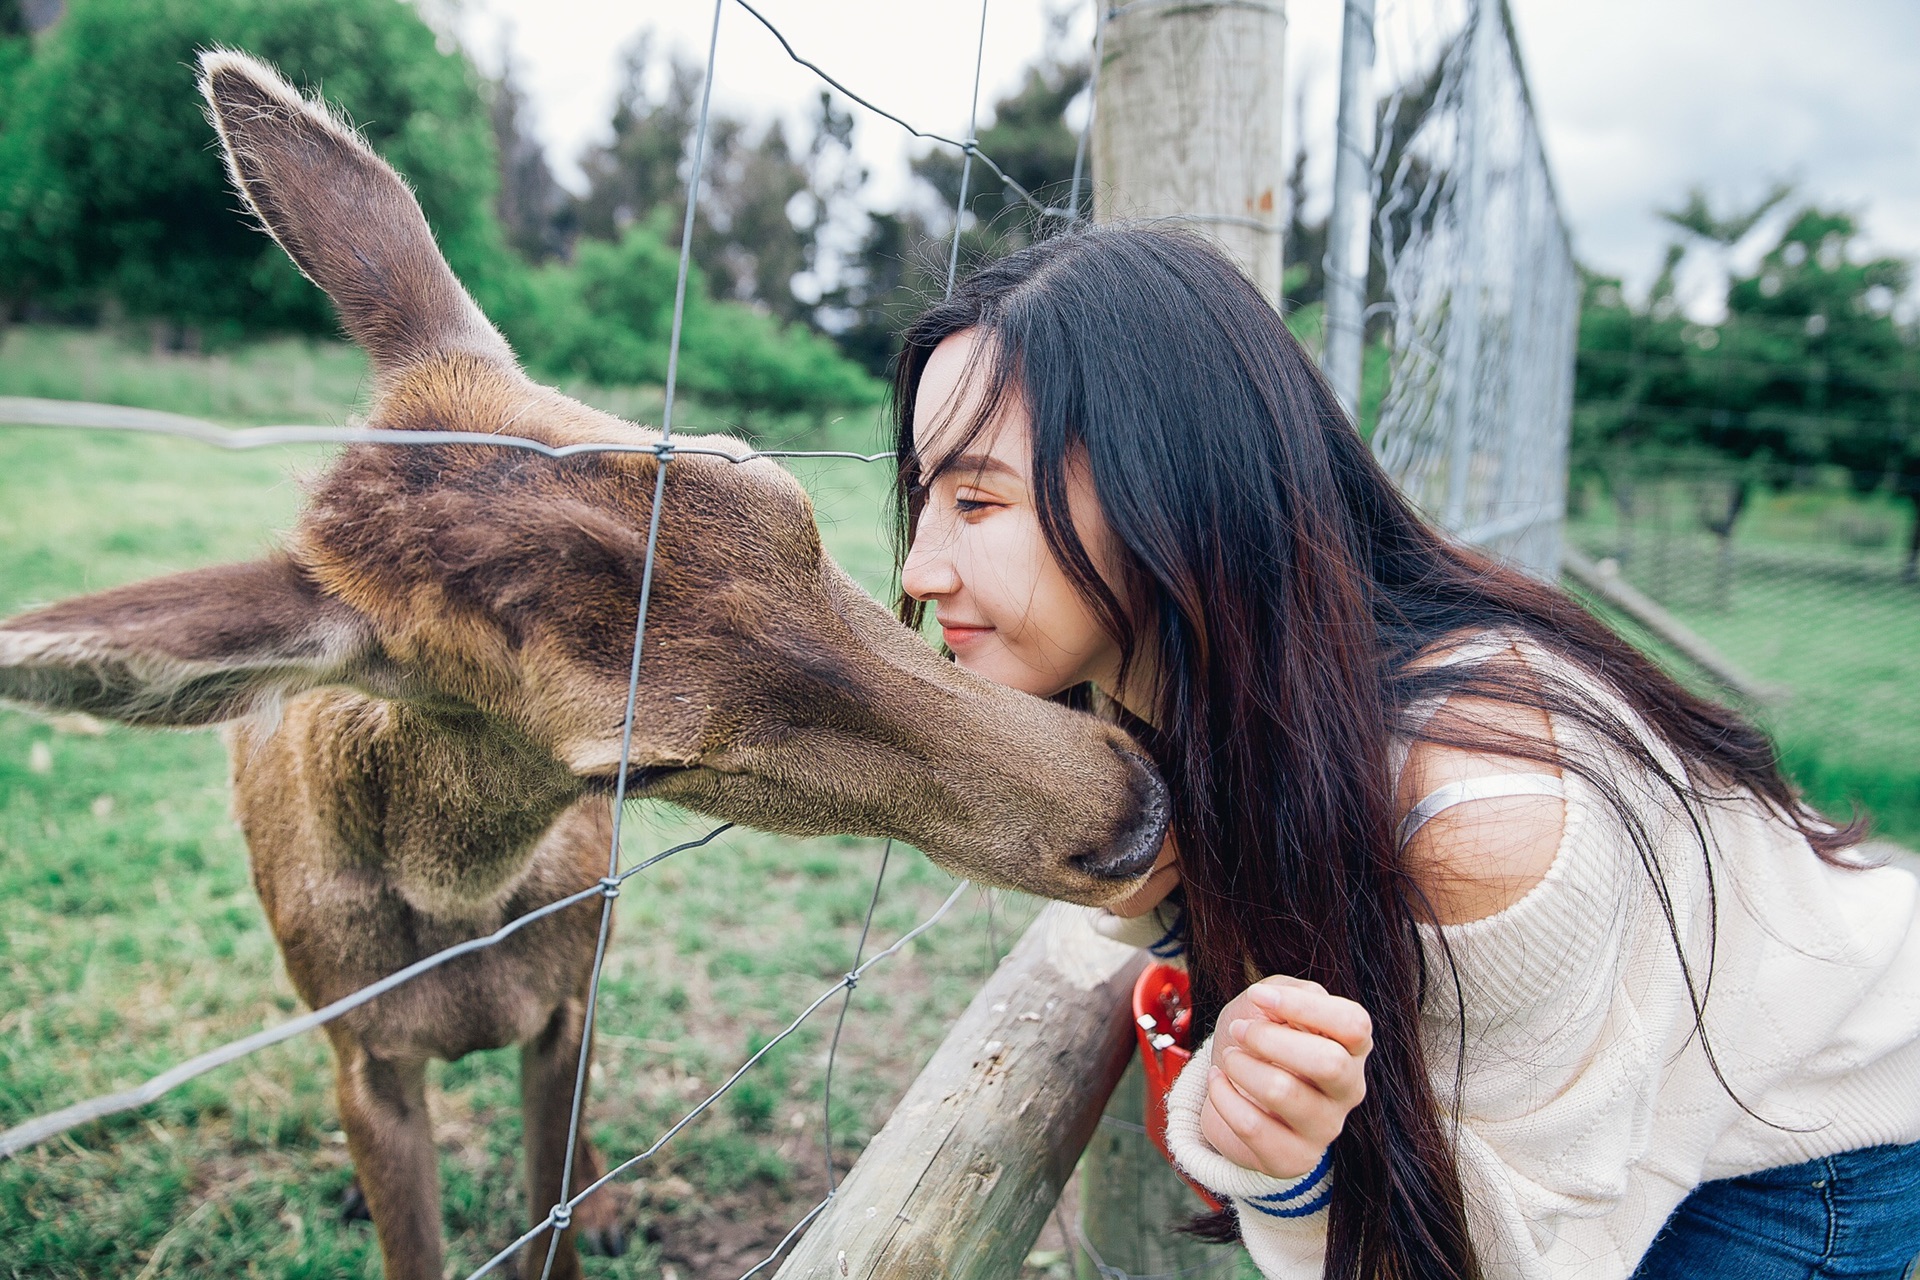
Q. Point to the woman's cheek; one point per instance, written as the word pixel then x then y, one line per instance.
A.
pixel 998 567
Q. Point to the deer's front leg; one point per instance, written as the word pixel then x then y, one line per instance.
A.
pixel 383 1108
pixel 548 1064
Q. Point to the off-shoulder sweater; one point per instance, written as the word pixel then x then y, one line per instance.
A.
pixel 1590 1106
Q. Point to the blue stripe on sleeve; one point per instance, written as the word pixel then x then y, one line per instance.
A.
pixel 1314 1205
pixel 1313 1179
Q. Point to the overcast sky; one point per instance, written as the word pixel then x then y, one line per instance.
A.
pixel 1638 99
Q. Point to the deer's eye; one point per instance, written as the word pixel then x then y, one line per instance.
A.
pixel 642 776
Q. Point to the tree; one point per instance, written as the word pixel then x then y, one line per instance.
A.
pixel 16 47
pixel 1809 369
pixel 900 264
pixel 896 269
pixel 1812 366
pixel 763 202
pixel 536 213
pixel 608 315
pixel 110 196
pixel 1028 137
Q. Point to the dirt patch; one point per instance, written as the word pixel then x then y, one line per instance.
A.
pixel 723 1237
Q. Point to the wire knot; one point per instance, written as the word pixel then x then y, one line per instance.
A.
pixel 609 886
pixel 663 451
pixel 852 980
pixel 562 1216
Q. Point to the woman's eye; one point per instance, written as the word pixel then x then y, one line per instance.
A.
pixel 971 506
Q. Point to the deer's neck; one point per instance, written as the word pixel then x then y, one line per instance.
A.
pixel 447 808
pixel 464 802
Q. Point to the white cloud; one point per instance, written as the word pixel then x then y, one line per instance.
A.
pixel 1640 99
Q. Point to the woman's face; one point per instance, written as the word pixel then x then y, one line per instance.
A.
pixel 1005 607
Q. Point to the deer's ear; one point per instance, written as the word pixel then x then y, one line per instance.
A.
pixel 192 648
pixel 344 217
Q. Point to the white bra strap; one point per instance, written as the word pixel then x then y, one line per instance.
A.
pixel 1496 787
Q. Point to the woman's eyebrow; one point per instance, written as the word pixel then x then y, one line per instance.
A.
pixel 979 464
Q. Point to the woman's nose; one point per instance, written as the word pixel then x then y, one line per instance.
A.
pixel 929 572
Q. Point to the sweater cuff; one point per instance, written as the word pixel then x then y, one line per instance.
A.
pixel 1274 1197
pixel 1162 931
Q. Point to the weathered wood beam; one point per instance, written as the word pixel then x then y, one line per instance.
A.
pixel 961 1179
pixel 1616 591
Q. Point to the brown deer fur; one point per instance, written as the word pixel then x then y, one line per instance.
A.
pixel 426 688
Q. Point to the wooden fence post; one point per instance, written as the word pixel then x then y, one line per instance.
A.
pixel 959 1182
pixel 1186 128
pixel 1130 1202
pixel 1187 125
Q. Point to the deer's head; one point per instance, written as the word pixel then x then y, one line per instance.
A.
pixel 493 581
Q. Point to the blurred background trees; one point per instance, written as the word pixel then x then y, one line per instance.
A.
pixel 1809 372
pixel 112 202
pixel 113 208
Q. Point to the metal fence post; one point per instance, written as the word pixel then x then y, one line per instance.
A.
pixel 1463 334
pixel 1348 222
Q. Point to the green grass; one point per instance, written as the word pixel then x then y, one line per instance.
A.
pixel 1813 606
pixel 132 938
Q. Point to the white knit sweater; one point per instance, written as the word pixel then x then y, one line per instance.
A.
pixel 1590 1108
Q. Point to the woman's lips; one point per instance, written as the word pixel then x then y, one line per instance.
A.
pixel 958 636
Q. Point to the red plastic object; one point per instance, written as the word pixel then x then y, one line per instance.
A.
pixel 1163 1021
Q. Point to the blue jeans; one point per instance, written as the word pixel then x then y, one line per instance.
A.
pixel 1854 1216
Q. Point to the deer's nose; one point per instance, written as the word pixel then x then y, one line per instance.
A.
pixel 1133 854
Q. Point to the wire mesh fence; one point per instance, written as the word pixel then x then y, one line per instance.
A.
pixel 1803 589
pixel 1478 296
pixel 1473 279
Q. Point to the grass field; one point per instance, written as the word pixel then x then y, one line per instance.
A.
pixel 1812 604
pixel 132 938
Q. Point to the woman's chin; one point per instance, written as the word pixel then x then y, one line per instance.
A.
pixel 1001 667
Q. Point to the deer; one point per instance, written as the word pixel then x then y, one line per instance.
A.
pixel 424 689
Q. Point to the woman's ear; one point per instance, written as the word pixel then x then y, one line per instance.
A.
pixel 188 649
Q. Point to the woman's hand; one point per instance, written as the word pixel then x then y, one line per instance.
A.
pixel 1288 1065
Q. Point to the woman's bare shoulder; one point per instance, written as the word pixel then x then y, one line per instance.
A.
pixel 1479 857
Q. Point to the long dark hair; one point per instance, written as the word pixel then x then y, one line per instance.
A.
pixel 1283 588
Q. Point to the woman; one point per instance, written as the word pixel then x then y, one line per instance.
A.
pixel 1512 950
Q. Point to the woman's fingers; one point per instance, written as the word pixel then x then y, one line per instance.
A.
pixel 1283 1096
pixel 1307 1005
pixel 1223 1138
pixel 1272 1147
pixel 1320 1063
pixel 1289 1064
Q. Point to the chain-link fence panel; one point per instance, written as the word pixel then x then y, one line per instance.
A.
pixel 1476 292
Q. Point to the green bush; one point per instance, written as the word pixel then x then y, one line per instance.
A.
pixel 112 194
pixel 608 317
pixel 743 357
pixel 112 199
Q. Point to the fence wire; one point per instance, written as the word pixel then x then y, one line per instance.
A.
pixel 1474 284
pixel 1803 591
pixel 23 411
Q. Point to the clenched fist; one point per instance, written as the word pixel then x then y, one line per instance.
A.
pixel 1289 1063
